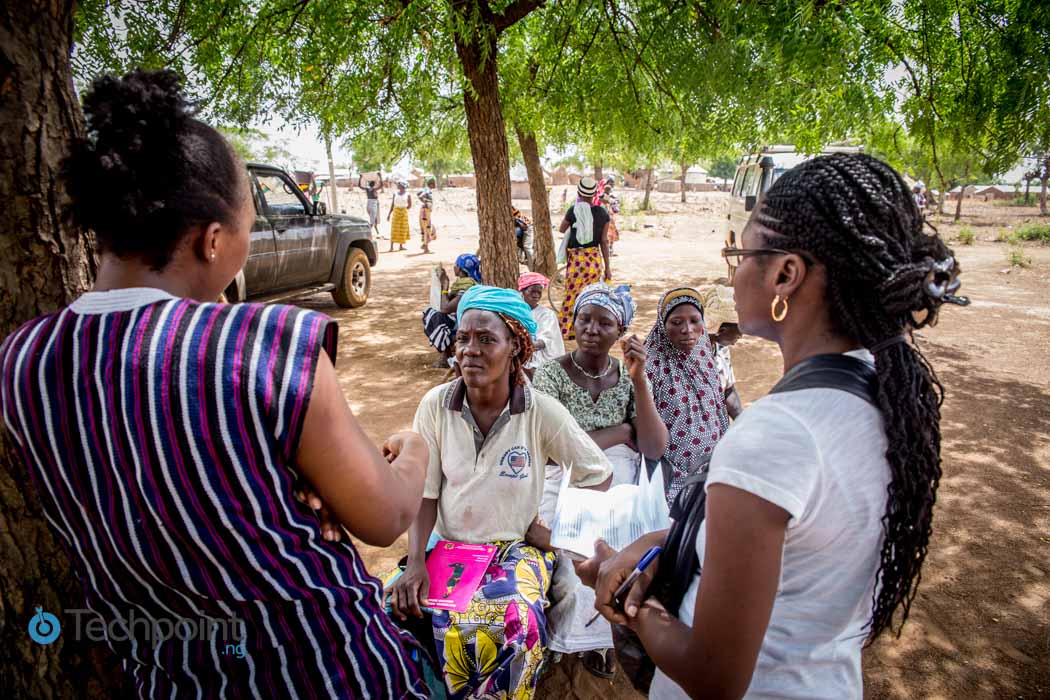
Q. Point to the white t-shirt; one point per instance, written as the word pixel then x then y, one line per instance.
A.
pixel 725 366
pixel 820 455
pixel 549 331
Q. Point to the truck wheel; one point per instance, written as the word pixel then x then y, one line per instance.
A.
pixel 356 281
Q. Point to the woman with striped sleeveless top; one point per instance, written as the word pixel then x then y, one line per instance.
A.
pixel 167 437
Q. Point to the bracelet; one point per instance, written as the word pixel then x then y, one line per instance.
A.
pixel 444 291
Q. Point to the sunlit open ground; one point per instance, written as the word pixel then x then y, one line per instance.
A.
pixel 981 624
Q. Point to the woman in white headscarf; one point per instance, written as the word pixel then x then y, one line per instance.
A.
pixel 586 248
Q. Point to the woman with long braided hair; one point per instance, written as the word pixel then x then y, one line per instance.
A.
pixel 819 499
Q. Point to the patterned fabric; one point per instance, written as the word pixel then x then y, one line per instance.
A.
pixel 585 267
pixel 613 407
pixel 505 302
pixel 617 301
pixel 530 279
pixel 495 648
pixel 426 227
pixel 399 231
pixel 460 285
pixel 471 265
pixel 440 328
pixel 688 395
pixel 160 436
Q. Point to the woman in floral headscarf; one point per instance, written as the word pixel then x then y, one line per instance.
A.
pixel 614 404
pixel 687 389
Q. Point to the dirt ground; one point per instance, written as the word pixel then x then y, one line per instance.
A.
pixel 980 626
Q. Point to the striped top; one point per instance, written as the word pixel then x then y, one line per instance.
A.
pixel 160 434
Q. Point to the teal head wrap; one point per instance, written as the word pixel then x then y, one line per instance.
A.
pixel 498 300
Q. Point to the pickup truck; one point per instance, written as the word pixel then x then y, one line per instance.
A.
pixel 297 248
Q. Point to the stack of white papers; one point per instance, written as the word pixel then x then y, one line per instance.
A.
pixel 619 516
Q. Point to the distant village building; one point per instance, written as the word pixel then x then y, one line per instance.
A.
pixel 983 193
pixel 696 180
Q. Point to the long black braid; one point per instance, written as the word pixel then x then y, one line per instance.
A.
pixel 885 276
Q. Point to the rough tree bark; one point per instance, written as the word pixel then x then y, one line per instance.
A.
pixel 598 172
pixel 477 53
pixel 44 264
pixel 333 195
pixel 685 170
pixel 543 240
pixel 1043 177
pixel 962 192
pixel 648 187
pixel 1027 189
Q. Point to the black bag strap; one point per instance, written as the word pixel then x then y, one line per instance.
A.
pixel 679 561
pixel 842 372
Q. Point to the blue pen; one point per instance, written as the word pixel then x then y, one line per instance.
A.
pixel 648 559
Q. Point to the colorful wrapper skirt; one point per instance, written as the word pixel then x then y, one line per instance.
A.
pixel 585 266
pixel 399 232
pixel 495 648
pixel 426 228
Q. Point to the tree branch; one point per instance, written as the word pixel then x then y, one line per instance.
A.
pixel 515 12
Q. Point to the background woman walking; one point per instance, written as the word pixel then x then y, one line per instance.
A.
pixel 399 206
pixel 586 250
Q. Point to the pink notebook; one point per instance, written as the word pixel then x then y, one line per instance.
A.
pixel 456 570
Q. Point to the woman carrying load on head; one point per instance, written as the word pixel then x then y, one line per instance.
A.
pixel 682 369
pixel 820 496
pixel 440 324
pixel 586 250
pixel 491 437
pixel 372 191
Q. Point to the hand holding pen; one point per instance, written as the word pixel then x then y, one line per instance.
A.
pixel 632 578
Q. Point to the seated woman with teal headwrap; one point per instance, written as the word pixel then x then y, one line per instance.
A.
pixel 439 323
pixel 490 438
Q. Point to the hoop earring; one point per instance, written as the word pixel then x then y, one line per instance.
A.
pixel 773 309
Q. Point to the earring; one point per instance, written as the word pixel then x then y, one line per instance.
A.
pixel 773 309
pixel 213 256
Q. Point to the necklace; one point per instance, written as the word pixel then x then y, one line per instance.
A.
pixel 608 366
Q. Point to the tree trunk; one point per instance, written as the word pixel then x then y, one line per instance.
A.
pixel 333 195
pixel 488 148
pixel 648 188
pixel 685 169
pixel 598 173
pixel 543 240
pixel 1042 187
pixel 1027 190
pixel 44 265
pixel 962 193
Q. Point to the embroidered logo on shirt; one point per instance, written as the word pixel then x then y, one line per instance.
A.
pixel 515 463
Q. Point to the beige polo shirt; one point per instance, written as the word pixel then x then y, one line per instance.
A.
pixel 489 487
